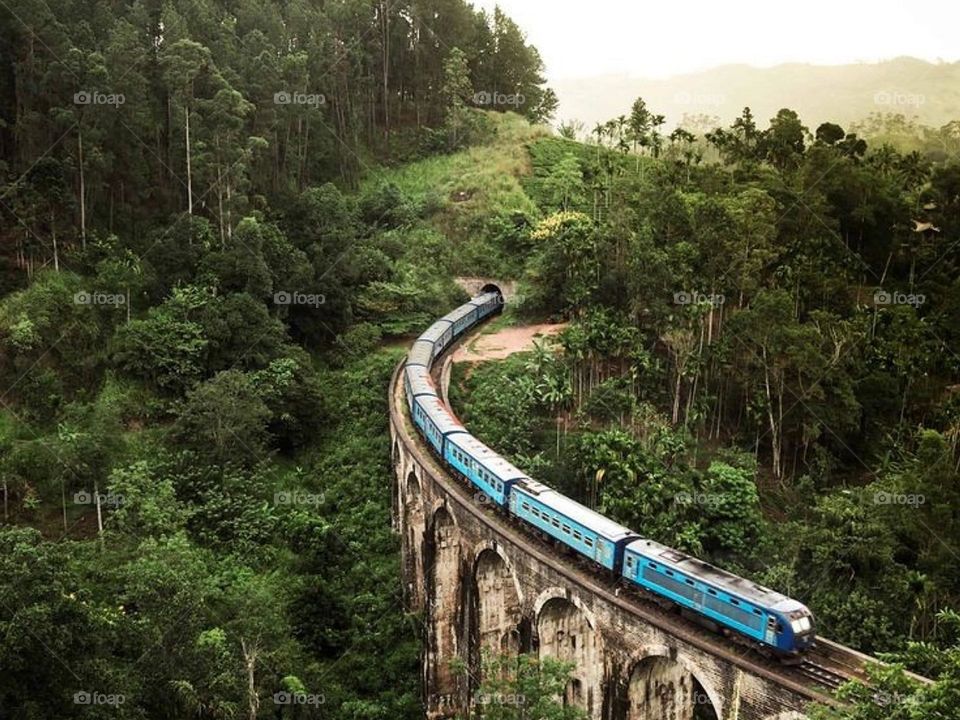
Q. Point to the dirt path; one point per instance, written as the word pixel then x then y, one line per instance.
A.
pixel 503 343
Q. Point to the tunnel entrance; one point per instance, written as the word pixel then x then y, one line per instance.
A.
pixel 662 689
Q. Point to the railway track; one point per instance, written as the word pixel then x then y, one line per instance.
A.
pixel 821 675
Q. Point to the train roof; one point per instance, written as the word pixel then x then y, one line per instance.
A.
pixel 714 576
pixel 419 379
pixel 421 353
pixel 435 331
pixel 440 415
pixel 489 458
pixel 575 511
pixel 484 298
pixel 460 312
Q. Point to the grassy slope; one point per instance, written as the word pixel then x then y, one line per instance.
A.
pixel 471 191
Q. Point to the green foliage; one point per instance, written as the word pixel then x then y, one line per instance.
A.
pixel 514 687
pixel 224 419
pixel 165 349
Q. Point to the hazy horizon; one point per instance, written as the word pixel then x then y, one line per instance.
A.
pixel 649 42
pixel 754 66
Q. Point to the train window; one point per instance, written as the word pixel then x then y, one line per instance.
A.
pixel 712 591
pixel 688 581
pixel 588 542
pixel 555 521
pixel 526 506
pixel 670 573
pixel 734 601
pixel 630 562
pixel 566 529
pixel 577 535
pixel 757 612
pixel 653 565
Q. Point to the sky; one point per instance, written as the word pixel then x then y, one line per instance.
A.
pixel 585 38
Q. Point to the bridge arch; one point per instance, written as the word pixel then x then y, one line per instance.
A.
pixel 499 601
pixel 413 528
pixel 664 685
pixel 567 632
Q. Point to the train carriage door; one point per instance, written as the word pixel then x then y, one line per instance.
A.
pixel 698 597
pixel 770 633
pixel 604 553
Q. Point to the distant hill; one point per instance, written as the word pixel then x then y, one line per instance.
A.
pixel 928 92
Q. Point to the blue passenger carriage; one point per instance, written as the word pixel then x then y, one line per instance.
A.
pixel 417 382
pixel 731 601
pixel 487 303
pixel 421 354
pixel 587 532
pixel 435 421
pixel 483 468
pixel 440 335
pixel 462 319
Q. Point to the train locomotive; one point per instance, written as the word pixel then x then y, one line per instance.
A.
pixel 714 597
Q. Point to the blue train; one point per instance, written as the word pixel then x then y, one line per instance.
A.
pixel 718 598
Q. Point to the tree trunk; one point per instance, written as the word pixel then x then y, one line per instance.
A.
pixel 223 238
pixel 385 24
pixel 96 500
pixel 676 397
pixel 189 172
pixel 83 192
pixel 250 653
pixel 53 237
pixel 774 431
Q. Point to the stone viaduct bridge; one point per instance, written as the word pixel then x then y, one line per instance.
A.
pixel 483 583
